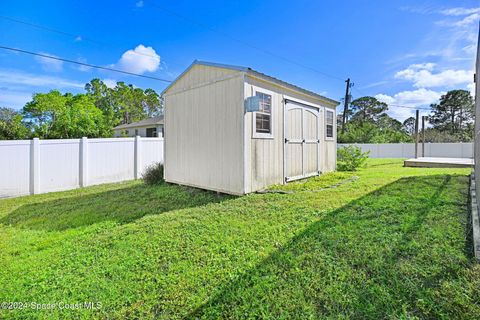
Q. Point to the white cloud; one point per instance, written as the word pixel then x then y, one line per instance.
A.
pixel 422 66
pixel 13 77
pixel 385 98
pixel 470 49
pixel 418 9
pixel 468 20
pixel 459 11
pixel 413 98
pixel 139 60
pixel 139 4
pixel 14 99
pixel 50 64
pixel 110 83
pixel 446 39
pixel 402 104
pixel 464 22
pixel 471 88
pixel 422 76
pixel 78 38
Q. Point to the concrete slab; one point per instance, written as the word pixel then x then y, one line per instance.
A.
pixel 439 162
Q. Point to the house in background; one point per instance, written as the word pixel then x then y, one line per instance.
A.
pixel 150 127
pixel 235 130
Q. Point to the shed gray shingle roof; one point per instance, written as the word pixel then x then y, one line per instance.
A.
pixel 142 123
pixel 254 73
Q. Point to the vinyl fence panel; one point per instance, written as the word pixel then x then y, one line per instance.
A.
pixel 15 167
pixel 40 166
pixel 60 159
pixel 151 152
pixel 407 150
pixel 110 160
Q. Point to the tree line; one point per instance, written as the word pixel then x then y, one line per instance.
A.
pixel 450 120
pixel 95 113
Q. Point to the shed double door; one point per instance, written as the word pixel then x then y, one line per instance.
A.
pixel 301 152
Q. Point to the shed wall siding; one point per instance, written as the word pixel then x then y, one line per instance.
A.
pixel 264 158
pixel 199 75
pixel 328 146
pixel 204 143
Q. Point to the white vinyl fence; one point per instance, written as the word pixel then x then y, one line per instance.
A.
pixel 407 150
pixel 39 166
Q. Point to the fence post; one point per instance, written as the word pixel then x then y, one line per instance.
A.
pixel 137 161
pixel 83 170
pixel 35 166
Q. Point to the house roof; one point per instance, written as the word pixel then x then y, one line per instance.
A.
pixel 255 73
pixel 141 123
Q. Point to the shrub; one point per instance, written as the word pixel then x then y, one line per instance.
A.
pixel 350 158
pixel 153 174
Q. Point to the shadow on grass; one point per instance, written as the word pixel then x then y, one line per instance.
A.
pixel 121 205
pixel 384 255
pixel 384 164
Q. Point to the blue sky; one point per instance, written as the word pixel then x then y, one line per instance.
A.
pixel 404 52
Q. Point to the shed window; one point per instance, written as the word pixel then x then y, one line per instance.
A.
pixel 263 117
pixel 329 124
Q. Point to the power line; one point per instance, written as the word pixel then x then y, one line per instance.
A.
pixel 226 35
pixel 152 56
pixel 75 36
pixel 68 34
pixel 196 23
pixel 83 64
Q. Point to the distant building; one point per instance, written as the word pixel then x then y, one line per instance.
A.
pixel 151 127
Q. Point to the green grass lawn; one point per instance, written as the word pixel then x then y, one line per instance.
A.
pixel 393 242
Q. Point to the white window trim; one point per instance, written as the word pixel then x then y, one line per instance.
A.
pixel 333 125
pixel 263 135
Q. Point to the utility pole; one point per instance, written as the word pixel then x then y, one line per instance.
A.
pixel 416 133
pixel 423 136
pixel 345 104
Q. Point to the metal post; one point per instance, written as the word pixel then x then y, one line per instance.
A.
pixel 423 136
pixel 416 133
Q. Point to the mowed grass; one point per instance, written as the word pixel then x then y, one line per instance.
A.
pixel 392 243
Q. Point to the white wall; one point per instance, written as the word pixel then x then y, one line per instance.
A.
pixel 407 150
pixel 40 166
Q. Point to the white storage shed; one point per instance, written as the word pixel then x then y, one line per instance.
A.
pixel 235 130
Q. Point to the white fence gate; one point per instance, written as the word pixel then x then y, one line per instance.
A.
pixel 39 166
pixel 407 150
